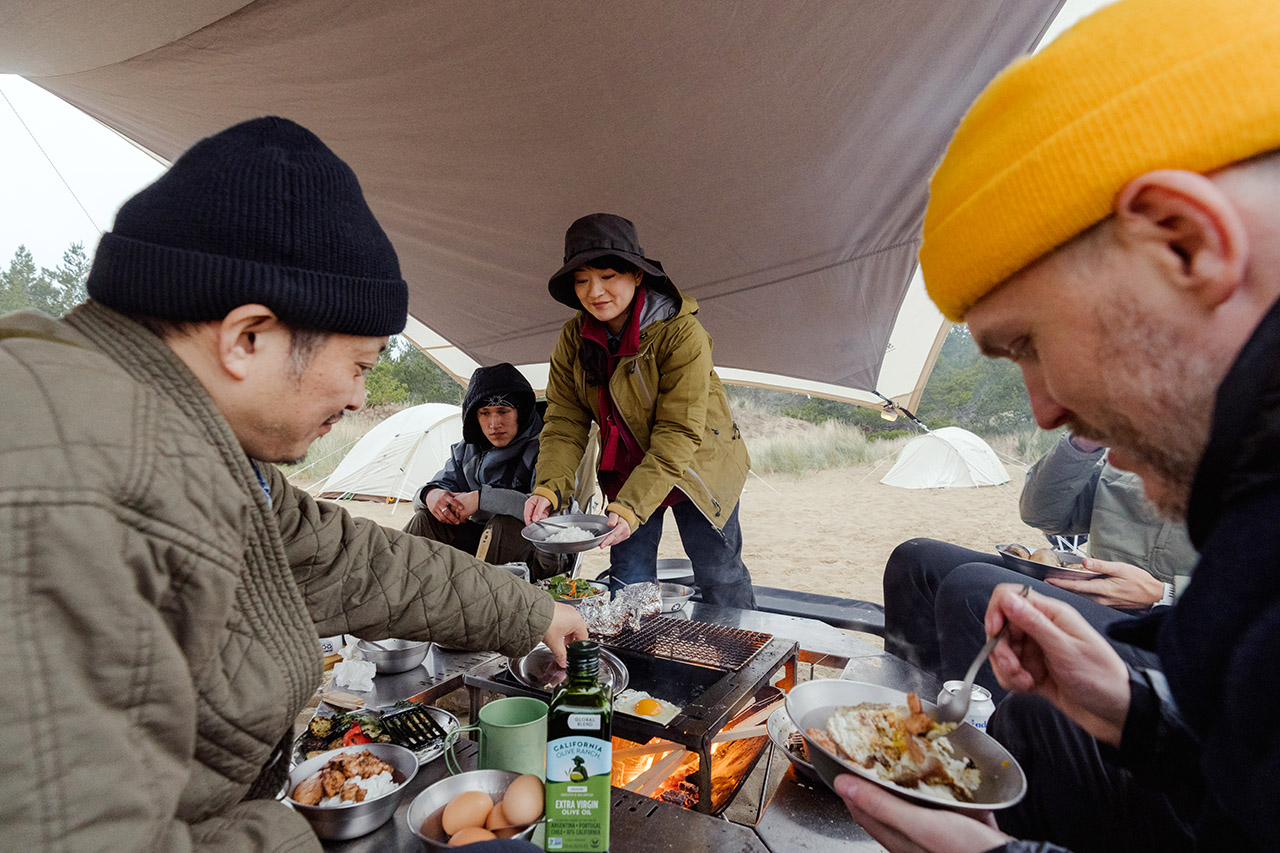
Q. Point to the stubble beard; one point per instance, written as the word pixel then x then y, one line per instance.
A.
pixel 1161 395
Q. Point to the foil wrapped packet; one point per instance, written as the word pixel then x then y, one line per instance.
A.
pixel 629 606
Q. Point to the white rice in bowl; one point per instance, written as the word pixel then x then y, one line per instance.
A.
pixel 570 534
pixel 374 786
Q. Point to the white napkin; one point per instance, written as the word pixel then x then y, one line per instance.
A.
pixel 352 672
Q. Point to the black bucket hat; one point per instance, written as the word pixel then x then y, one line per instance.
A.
pixel 601 235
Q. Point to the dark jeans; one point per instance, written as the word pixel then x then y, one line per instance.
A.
pixel 935 598
pixel 505 546
pixel 716 555
pixel 1075 796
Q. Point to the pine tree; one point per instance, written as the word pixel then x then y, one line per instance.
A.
pixel 69 279
pixel 18 282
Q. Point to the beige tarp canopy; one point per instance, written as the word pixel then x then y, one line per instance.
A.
pixel 774 154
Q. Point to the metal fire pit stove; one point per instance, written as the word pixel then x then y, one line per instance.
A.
pixel 691 664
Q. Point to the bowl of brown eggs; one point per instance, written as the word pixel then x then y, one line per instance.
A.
pixel 478 805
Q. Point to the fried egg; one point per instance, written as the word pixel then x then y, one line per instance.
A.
pixel 637 703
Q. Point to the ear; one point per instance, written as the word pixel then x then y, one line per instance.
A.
pixel 1194 230
pixel 245 335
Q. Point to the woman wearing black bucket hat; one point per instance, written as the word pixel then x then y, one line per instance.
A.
pixel 636 361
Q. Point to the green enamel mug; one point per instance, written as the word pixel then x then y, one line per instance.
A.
pixel 513 736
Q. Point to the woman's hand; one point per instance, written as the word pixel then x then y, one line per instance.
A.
pixel 1125 586
pixel 536 508
pixel 1051 650
pixel 621 530
pixel 903 826
pixel 445 506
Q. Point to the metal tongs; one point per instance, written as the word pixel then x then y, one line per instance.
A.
pixel 953 707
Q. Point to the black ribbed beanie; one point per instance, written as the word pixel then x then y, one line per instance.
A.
pixel 262 212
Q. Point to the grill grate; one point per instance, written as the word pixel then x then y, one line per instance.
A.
pixel 700 643
pixel 413 727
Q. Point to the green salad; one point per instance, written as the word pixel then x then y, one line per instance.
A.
pixel 564 588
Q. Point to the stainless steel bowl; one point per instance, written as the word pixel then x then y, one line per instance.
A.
pixel 676 570
pixel 674 596
pixel 537 533
pixel 810 704
pixel 426 808
pixel 781 730
pixel 399 655
pixel 338 823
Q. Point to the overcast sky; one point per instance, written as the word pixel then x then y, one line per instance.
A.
pixel 50 149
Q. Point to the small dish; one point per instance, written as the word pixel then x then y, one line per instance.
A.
pixel 539 670
pixel 392 656
pixel 1072 570
pixel 674 596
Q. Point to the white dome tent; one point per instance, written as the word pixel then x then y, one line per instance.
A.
pixel 946 458
pixel 396 457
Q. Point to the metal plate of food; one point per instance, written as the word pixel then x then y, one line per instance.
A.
pixel 982 774
pixel 573 591
pixel 417 727
pixel 567 534
pixel 539 670
pixel 1069 566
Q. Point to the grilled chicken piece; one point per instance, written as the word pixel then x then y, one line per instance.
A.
pixel 332 779
pixel 351 792
pixel 309 791
pixel 362 764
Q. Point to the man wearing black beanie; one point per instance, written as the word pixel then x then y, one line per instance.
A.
pixel 163 585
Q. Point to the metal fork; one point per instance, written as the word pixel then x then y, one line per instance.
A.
pixel 955 705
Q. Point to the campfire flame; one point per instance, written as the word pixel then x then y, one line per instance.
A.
pixel 732 760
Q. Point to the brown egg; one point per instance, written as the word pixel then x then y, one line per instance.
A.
pixel 470 808
pixel 496 818
pixel 470 835
pixel 524 799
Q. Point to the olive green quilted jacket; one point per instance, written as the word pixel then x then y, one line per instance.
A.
pixel 159 613
pixel 674 405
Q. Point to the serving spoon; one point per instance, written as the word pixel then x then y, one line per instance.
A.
pixel 953 707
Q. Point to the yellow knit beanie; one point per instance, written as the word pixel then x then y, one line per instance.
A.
pixel 1042 153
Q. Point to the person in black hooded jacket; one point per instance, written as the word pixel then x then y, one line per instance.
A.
pixel 489 474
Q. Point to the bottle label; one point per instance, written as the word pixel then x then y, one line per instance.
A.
pixel 589 722
pixel 578 794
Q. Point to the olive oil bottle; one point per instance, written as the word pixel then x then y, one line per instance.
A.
pixel 579 756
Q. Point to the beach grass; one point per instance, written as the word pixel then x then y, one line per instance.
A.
pixel 828 445
pixel 778 445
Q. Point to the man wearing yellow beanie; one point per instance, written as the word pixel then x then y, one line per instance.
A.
pixel 1107 216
